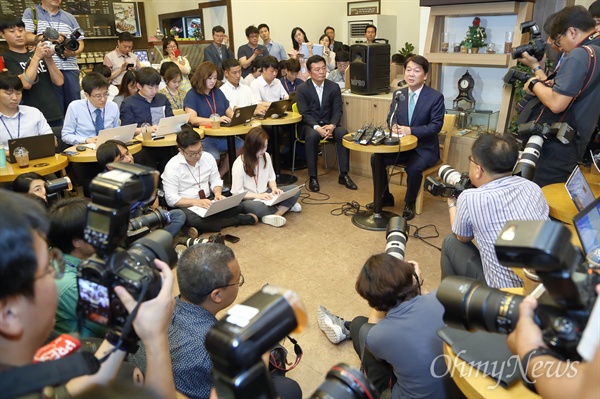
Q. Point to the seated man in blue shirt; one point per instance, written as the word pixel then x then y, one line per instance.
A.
pixel 291 81
pixel 85 118
pixel 147 107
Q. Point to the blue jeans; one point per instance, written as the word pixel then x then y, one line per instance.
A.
pixel 177 222
pixel 70 91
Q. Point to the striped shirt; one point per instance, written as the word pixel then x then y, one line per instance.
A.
pixel 63 22
pixel 482 212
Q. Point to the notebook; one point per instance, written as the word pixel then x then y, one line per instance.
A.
pixel 587 225
pixel 38 146
pixel 121 133
pixel 241 115
pixel 171 124
pixel 316 50
pixel 218 206
pixel 277 107
pixel 579 189
pixel 281 197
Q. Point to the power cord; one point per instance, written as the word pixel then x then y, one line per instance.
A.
pixel 423 238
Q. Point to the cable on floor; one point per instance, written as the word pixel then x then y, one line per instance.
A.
pixel 417 234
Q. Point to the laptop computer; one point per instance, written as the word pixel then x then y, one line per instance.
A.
pixel 38 146
pixel 579 189
pixel 171 124
pixel 277 107
pixel 241 115
pixel 121 133
pixel 142 55
pixel 587 225
pixel 218 206
pixel 282 197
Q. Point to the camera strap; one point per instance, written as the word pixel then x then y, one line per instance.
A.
pixel 19 381
pixel 273 361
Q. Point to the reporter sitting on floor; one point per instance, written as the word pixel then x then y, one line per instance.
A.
pixel 400 332
pixel 253 173
pixel 28 300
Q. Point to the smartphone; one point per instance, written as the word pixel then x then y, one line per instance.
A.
pixel 1 63
pixel 177 52
pixel 230 238
pixel 130 66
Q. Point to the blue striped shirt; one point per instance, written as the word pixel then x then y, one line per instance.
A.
pixel 482 212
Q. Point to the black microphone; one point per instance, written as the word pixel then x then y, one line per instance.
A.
pixel 51 34
pixel 398 96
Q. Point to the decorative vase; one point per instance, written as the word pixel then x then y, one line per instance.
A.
pixel 463 49
pixel 474 50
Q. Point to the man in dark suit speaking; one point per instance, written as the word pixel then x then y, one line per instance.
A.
pixel 417 110
pixel 320 103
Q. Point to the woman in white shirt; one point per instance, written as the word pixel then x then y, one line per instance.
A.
pixel 328 54
pixel 253 172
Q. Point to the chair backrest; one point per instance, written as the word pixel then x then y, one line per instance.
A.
pixel 178 112
pixel 449 129
pixel 295 107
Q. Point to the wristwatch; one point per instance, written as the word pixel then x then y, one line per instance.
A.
pixel 532 83
pixel 525 360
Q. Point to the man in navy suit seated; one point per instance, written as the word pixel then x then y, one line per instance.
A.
pixel 417 110
pixel 320 104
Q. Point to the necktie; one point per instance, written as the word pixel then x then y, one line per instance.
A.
pixel 99 122
pixel 411 106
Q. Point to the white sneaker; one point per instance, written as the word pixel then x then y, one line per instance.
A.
pixel 273 220
pixel 296 208
pixel 332 326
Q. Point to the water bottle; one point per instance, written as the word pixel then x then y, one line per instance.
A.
pixel 2 156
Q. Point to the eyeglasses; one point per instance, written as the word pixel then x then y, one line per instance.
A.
pixel 472 160
pixel 100 96
pixel 193 154
pixel 557 41
pixel 172 46
pixel 239 283
pixel 56 264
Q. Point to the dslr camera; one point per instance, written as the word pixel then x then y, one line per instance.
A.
pixel 450 183
pixel 564 308
pixel 536 47
pixel 114 194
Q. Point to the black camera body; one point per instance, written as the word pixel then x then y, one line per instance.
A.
pixel 514 74
pixel 562 314
pixel 450 183
pixel 536 47
pixel 560 131
pixel 71 43
pixel 113 194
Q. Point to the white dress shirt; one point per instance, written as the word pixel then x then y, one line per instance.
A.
pixel 27 122
pixel 269 92
pixel 241 96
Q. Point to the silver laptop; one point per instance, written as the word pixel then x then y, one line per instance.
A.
pixel 282 197
pixel 579 189
pixel 121 133
pixel 171 124
pixel 241 115
pixel 218 206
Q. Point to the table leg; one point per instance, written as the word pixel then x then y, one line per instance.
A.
pixel 376 219
pixel 281 178
pixel 231 153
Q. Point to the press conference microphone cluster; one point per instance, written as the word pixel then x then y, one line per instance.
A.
pixel 398 96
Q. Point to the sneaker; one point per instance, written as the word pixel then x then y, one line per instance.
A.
pixel 273 220
pixel 332 325
pixel 191 232
pixel 296 208
pixel 180 249
pixel 246 219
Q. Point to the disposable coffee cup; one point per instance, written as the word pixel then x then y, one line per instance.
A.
pixel 215 121
pixel 146 135
pixel 22 157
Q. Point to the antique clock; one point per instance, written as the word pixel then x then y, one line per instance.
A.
pixel 465 100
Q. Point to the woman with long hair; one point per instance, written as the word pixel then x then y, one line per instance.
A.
pixel 127 88
pixel 299 37
pixel 171 51
pixel 253 173
pixel 206 99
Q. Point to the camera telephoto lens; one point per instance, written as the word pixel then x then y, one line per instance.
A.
pixel 525 167
pixel 344 382
pixel 158 218
pixel 472 305
pixel 396 236
pixel 60 184
pixel 448 174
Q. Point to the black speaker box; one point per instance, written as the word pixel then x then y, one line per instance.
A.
pixel 370 68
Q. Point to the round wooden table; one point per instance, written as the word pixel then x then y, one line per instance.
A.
pixel 560 203
pixel 377 219
pixel 89 155
pixel 291 118
pixel 41 166
pixel 168 140
pixel 230 133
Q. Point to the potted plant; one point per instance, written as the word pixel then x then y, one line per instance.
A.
pixel 475 38
pixel 175 31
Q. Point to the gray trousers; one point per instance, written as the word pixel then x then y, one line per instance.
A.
pixel 461 259
pixel 260 209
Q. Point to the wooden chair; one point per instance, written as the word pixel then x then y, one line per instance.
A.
pixel 448 131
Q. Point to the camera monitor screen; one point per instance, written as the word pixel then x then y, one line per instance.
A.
pixel 94 298
pixel 587 224
pixel 579 189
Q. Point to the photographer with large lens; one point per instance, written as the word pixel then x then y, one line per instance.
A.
pixel 480 213
pixel 573 96
pixel 398 343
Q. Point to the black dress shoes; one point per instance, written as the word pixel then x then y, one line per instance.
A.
pixel 386 201
pixel 347 181
pixel 313 184
pixel 409 211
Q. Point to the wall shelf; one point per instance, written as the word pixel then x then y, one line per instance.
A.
pixel 489 60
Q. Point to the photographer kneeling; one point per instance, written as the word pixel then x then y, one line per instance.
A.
pixel 401 331
pixel 480 213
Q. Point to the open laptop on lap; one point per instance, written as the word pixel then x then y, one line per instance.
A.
pixel 240 116
pixel 218 206
pixel 38 146
pixel 287 194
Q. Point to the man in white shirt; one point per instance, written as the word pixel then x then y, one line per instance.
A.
pixel 121 59
pixel 188 180
pixel 18 121
pixel 275 49
pixel 239 95
pixel 267 87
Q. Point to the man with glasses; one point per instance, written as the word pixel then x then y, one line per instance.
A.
pixel 480 213
pixel 342 61
pixel 28 302
pixel 574 95
pixel 218 51
pixel 251 50
pixel 192 178
pixel 85 118
pixel 121 59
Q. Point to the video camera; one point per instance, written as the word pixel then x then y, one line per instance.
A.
pixel 237 342
pixel 562 315
pixel 450 184
pixel 535 47
pixel 71 43
pixel 113 195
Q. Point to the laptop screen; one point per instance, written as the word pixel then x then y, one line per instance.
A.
pixel 587 224
pixel 579 189
pixel 142 55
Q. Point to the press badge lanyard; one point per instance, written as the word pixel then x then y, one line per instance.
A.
pixel 180 102
pixel 52 16
pixel 18 128
pixel 213 111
